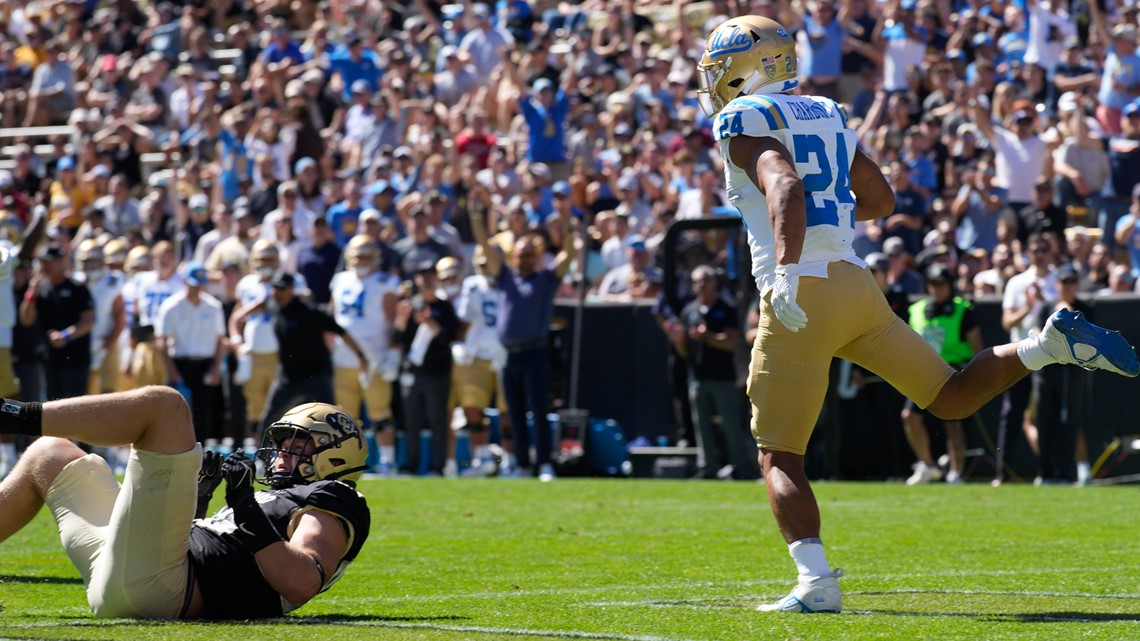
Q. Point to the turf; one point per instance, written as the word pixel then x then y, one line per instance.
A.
pixel 662 560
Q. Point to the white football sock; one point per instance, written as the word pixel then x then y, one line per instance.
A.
pixel 810 559
pixel 7 458
pixel 1084 472
pixel 1032 353
pixel 387 454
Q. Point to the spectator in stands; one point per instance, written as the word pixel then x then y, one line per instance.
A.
pixel 120 210
pixel 419 246
pixel 1119 77
pixel 1081 164
pixel 978 208
pixel 900 273
pixel 1124 161
pixel 1019 153
pixel 1043 215
pixel 636 279
pixel 317 261
pixel 545 110
pixel 190 330
pixel 948 323
pixel 51 96
pixel 484 43
pixel 63 308
pixel 821 39
pixel 910 216
pixel 1120 281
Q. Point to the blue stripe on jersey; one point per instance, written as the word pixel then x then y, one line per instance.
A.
pixel 769 109
pixel 842 113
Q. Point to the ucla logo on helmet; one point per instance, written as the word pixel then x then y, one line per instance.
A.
pixel 780 32
pixel 729 41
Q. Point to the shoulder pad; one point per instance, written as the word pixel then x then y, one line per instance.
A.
pixel 755 116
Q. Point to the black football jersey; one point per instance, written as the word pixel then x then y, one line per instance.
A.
pixel 231 583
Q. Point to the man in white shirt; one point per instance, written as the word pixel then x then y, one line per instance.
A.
pixel 190 330
pixel 1019 153
pixel 289 206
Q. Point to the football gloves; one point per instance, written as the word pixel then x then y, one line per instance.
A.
pixel 209 477
pixel 253 526
pixel 784 293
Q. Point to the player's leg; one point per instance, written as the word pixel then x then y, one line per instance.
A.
pixel 155 419
pixel 1067 339
pixel 22 492
pixel 787 383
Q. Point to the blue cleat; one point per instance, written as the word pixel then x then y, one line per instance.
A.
pixel 820 595
pixel 1072 340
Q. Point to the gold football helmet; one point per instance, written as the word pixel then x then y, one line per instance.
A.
pixel 338 449
pixel 362 252
pixel 264 254
pixel 139 260
pixel 11 229
pixel 115 253
pixel 746 55
pixel 89 255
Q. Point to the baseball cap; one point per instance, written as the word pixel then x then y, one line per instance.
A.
pixel 303 164
pixel 379 187
pixel 1066 274
pixel 939 274
pixel 100 171
pixel 543 84
pixel 480 11
pixel 433 196
pixel 1072 42
pixel 637 242
pixel 878 261
pixel 6 179
pixel 1067 103
pixel 369 214
pixel 241 213
pixel 52 252
pixel 623 129
pixel 284 280
pixel 1125 31
pixel 403 151
pixel 313 75
pixel 425 266
pixel 67 162
pixel 1022 114
pixel 1131 108
pixel 361 86
pixel 195 273
pixel 894 246
pixel 449 51
pixel 678 78
pixel 199 201
pixel 983 40
pixel 560 188
pixel 540 169
pixel 627 182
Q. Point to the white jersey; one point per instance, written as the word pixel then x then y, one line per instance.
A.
pixel 258 333
pixel 815 131
pixel 150 293
pixel 7 303
pixel 358 308
pixel 478 306
pixel 103 294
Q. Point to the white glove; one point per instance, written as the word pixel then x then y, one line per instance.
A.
pixel 784 293
pixel 461 355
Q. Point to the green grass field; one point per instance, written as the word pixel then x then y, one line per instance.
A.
pixel 662 560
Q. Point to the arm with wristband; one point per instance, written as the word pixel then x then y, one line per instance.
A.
pixel 295 569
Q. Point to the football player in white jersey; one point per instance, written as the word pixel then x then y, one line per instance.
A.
pixel 479 356
pixel 800 183
pixel 110 318
pixel 364 303
pixel 256 344
pixel 150 290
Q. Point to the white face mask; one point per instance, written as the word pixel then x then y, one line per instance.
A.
pixel 266 272
pixel 453 291
pixel 94 275
pixel 361 271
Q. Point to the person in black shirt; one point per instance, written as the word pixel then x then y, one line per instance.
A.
pixel 707 333
pixel 426 326
pixel 419 246
pixel 264 554
pixel 64 309
pixel 305 370
pixel 317 262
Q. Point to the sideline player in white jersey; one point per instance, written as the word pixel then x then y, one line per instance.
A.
pixel 106 291
pixel 256 345
pixel 364 303
pixel 8 382
pixel 800 183
pixel 149 291
pixel 479 355
pixel 132 263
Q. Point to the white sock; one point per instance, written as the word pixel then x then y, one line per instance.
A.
pixel 810 558
pixel 1083 470
pixel 1032 353
pixel 387 454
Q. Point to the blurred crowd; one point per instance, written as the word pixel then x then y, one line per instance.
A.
pixel 215 134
